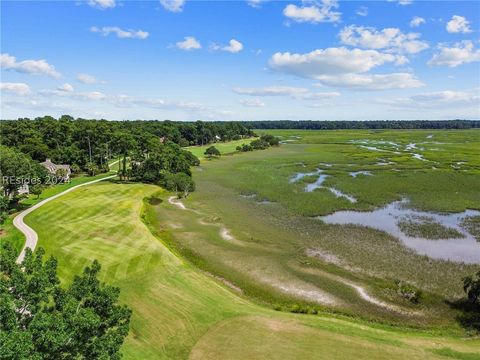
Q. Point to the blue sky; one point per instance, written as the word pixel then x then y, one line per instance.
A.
pixel 241 60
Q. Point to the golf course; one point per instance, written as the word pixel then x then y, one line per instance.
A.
pixel 182 312
pixel 202 286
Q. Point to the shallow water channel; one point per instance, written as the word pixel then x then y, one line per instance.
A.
pixel 465 249
pixel 318 184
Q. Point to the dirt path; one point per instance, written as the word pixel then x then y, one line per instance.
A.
pixel 179 204
pixel 31 237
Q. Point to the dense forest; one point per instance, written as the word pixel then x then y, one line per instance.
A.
pixel 383 124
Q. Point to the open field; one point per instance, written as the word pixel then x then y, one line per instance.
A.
pixel 250 223
pixel 180 312
pixel 224 147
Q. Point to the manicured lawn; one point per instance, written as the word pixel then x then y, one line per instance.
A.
pixel 180 312
pixel 224 147
pixel 56 189
pixel 9 234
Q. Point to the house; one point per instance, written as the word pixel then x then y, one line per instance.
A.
pixel 54 169
pixel 24 189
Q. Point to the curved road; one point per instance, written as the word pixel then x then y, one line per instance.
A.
pixel 31 237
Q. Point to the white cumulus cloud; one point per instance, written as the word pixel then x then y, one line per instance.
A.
pixel 255 102
pixel 189 43
pixel 271 91
pixel 372 81
pixel 234 46
pixel 86 78
pixel 173 5
pixel 448 96
pixel 362 11
pixel 21 89
pixel 320 95
pixel 417 21
pixel 391 39
pixel 317 11
pixel 329 61
pixel 460 53
pixel 38 67
pixel 437 99
pixel 255 3
pixel 458 24
pixel 102 4
pixel 341 67
pixel 65 87
pixel 121 34
pixel 402 2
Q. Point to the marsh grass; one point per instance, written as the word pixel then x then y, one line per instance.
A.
pixel 427 228
pixel 273 236
pixel 472 225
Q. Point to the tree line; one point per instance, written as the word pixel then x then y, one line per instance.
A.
pixel 87 145
pixel 365 125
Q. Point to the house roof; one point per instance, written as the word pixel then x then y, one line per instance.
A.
pixel 52 167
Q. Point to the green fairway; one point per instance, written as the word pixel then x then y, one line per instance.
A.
pixel 224 147
pixel 9 234
pixel 180 312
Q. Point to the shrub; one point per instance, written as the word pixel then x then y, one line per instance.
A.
pixel 270 139
pixel 259 144
pixel 212 151
pixel 408 292
pixel 471 286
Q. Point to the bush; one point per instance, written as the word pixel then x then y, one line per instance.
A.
pixel 408 292
pixel 270 139
pixel 212 151
pixel 244 148
pixel 259 144
pixel 471 286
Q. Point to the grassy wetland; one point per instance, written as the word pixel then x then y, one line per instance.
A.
pixel 256 221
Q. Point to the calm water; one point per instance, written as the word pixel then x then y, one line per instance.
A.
pixel 362 172
pixel 465 249
pixel 318 184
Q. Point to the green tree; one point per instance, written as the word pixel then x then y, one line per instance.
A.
pixel 124 143
pixel 212 151
pixel 41 320
pixel 4 202
pixel 181 183
pixel 61 174
pixel 36 190
pixel 91 168
pixel 17 168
